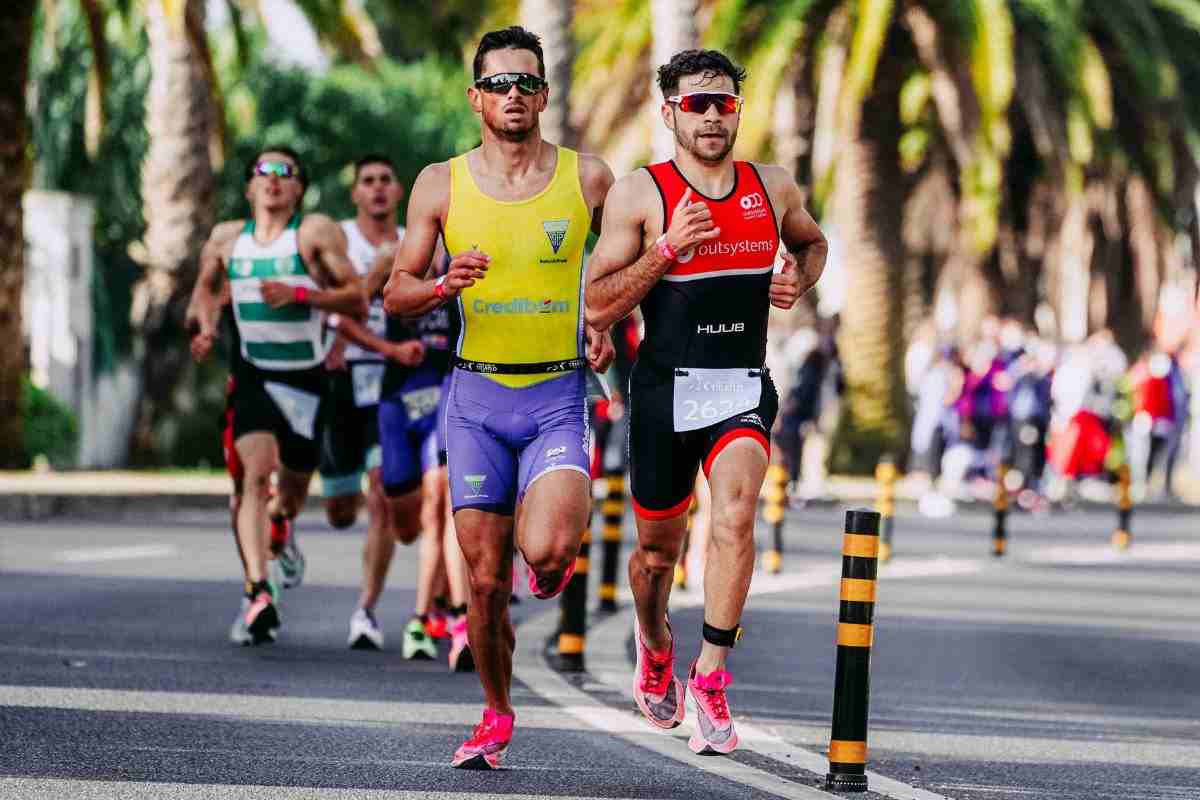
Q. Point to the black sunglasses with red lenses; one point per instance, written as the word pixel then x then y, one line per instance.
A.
pixel 700 102
pixel 502 83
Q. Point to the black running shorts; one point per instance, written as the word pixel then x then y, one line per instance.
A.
pixel 257 409
pixel 663 463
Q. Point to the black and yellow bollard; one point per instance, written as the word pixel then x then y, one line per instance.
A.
pixel 855 634
pixel 774 511
pixel 1123 536
pixel 1000 505
pixel 613 511
pixel 886 474
pixel 572 628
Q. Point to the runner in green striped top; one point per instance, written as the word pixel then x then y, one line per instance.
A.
pixel 286 272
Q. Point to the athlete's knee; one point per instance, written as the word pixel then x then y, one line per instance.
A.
pixel 733 521
pixel 489 590
pixel 342 512
pixel 657 556
pixel 551 560
pixel 405 518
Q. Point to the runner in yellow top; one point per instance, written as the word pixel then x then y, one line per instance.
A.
pixel 515 213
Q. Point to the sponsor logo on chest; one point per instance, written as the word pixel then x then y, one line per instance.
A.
pixel 556 233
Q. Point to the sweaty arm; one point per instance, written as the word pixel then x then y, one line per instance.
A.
pixel 210 291
pixel 618 278
pixel 323 248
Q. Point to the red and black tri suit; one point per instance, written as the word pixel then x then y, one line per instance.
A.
pixel 709 311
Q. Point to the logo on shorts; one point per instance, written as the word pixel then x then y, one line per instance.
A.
pixel 752 419
pixel 475 482
pixel 555 453
pixel 556 231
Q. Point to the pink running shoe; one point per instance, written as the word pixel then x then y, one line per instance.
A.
pixel 485 749
pixel 714 727
pixel 461 659
pixel 536 589
pixel 656 690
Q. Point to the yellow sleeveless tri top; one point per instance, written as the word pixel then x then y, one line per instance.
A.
pixel 529 307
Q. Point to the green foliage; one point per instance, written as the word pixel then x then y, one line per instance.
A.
pixel 415 113
pixel 50 427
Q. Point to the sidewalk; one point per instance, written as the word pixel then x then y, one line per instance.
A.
pixel 117 493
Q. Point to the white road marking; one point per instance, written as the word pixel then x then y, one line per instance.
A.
pixel 56 789
pixel 97 554
pixel 1154 553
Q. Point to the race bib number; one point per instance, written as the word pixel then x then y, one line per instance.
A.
pixel 704 397
pixel 421 402
pixel 298 406
pixel 368 384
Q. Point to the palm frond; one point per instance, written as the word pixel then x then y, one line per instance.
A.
pixel 873 19
pixel 99 76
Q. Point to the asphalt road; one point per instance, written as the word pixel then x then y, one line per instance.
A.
pixel 1065 670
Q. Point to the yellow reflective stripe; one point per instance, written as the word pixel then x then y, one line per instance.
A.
pixel 851 635
pixel 861 545
pixel 844 752
pixel 857 590
pixel 608 591
pixel 570 643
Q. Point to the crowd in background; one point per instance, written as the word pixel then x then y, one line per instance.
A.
pixel 1057 417
pixel 1053 415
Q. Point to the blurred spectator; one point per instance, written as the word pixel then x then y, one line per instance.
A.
pixel 816 382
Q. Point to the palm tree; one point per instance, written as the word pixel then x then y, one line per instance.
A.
pixel 185 123
pixel 16 31
pixel 673 23
pixel 552 20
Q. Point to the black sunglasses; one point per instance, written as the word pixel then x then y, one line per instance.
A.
pixel 502 83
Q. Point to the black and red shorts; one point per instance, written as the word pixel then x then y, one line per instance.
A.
pixel 662 462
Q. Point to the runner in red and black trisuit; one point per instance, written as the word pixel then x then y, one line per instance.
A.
pixel 694 241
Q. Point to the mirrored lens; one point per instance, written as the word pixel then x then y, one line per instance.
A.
pixel 503 83
pixel 280 169
pixel 699 103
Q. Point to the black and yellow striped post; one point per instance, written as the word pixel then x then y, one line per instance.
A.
pixel 613 511
pixel 855 634
pixel 774 511
pixel 1123 536
pixel 572 628
pixel 886 474
pixel 1000 506
pixel 681 576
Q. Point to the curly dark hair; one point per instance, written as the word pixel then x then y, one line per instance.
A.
pixel 513 38
pixel 710 63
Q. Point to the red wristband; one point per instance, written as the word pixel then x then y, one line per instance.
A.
pixel 300 294
pixel 439 289
pixel 665 249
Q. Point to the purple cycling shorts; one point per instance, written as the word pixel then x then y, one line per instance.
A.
pixel 499 440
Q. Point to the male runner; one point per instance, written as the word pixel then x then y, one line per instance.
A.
pixel 694 241
pixel 515 214
pixel 356 365
pixel 285 272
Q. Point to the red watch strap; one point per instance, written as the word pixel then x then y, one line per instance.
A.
pixel 300 294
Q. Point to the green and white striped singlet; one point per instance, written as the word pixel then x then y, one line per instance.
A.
pixel 290 337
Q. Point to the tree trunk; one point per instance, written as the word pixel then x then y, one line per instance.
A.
pixel 673 23
pixel 868 206
pixel 177 192
pixel 16 32
pixel 551 19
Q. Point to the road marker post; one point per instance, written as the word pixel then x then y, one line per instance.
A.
pixel 612 511
pixel 886 474
pixel 1123 536
pixel 572 627
pixel 774 511
pixel 855 635
pixel 1000 506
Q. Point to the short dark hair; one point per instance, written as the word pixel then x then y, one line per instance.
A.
pixel 287 151
pixel 693 62
pixel 373 158
pixel 514 38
